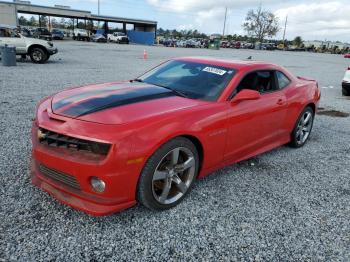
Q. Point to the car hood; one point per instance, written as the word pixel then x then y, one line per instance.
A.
pixel 118 103
pixel 35 41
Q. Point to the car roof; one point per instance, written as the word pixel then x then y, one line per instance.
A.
pixel 234 64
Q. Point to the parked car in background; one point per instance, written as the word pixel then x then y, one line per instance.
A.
pixel 26 32
pixel 57 34
pixel 267 46
pixel 118 37
pixel 81 34
pixel 248 45
pixel 98 38
pixel 346 83
pixel 225 44
pixel 180 43
pixel 347 56
pixel 42 33
pixel 39 50
pixel 236 45
pixel 170 43
pixel 191 43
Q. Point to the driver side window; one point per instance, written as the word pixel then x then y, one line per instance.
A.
pixel 4 33
pixel 261 81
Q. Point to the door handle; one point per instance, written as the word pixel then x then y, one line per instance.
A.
pixel 280 102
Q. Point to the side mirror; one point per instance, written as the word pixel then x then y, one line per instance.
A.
pixel 246 94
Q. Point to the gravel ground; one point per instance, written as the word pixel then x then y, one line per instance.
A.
pixel 283 205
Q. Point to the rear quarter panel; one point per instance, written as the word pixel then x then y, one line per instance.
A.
pixel 300 94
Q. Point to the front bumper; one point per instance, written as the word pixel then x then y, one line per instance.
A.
pixel 346 86
pixel 52 50
pixel 87 203
pixel 120 176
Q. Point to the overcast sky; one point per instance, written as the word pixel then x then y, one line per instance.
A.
pixel 311 19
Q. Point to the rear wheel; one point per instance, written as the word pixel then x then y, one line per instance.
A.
pixel 345 92
pixel 168 174
pixel 302 128
pixel 38 55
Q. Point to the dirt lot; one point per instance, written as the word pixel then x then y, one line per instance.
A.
pixel 283 205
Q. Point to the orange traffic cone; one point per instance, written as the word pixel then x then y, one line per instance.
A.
pixel 145 55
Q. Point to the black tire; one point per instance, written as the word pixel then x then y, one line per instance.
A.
pixel 296 140
pixel 345 92
pixel 145 193
pixel 38 55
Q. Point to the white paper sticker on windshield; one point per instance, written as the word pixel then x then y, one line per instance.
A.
pixel 214 70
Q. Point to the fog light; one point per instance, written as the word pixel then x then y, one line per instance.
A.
pixel 97 184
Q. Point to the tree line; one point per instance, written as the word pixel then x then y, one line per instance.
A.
pixel 259 25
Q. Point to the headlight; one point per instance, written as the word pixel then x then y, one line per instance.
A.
pixel 50 44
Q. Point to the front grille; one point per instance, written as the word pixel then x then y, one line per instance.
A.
pixel 54 139
pixel 59 176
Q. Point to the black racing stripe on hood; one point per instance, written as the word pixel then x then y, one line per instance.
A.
pixel 93 92
pixel 114 100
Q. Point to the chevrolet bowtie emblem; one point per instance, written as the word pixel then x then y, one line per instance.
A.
pixel 41 135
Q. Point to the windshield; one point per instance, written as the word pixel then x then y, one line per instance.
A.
pixel 195 80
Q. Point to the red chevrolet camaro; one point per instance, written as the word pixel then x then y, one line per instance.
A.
pixel 102 148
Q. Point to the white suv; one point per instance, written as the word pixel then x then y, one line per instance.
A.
pixel 38 50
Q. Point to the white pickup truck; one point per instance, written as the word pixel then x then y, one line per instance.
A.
pixel 38 50
pixel 118 37
pixel 81 34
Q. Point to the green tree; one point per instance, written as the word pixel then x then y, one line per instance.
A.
pixel 22 20
pixel 298 41
pixel 44 21
pixel 33 21
pixel 261 24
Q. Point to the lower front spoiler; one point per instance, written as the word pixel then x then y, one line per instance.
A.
pixel 81 204
pixel 52 51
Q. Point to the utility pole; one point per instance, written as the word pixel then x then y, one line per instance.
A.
pixel 223 31
pixel 285 28
pixel 98 10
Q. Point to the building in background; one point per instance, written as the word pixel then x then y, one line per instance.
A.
pixel 139 31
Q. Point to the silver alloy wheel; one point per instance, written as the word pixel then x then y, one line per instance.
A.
pixel 173 175
pixel 37 55
pixel 304 127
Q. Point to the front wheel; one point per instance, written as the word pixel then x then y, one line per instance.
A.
pixel 345 92
pixel 168 174
pixel 38 55
pixel 302 128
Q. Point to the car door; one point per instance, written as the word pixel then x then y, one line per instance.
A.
pixel 16 40
pixel 256 125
